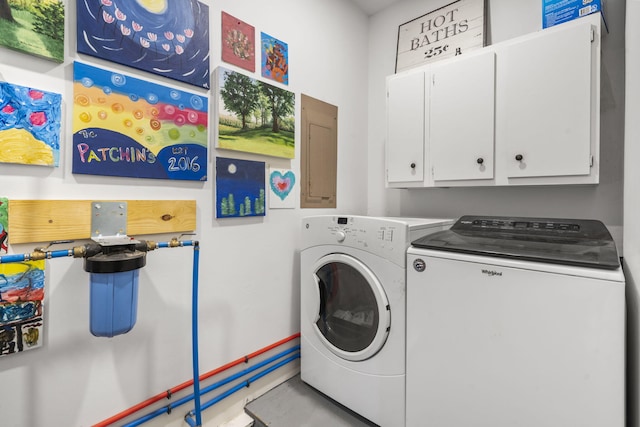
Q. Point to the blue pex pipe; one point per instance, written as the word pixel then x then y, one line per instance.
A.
pixel 167 409
pixel 240 386
pixel 194 334
pixel 194 322
pixel 248 382
pixel 28 256
pixel 181 243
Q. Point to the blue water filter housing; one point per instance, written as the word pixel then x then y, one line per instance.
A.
pixel 114 303
pixel 114 289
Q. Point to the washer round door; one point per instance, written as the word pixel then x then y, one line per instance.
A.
pixel 353 317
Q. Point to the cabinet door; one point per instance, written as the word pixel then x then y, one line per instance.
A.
pixel 405 127
pixel 462 118
pixel 544 109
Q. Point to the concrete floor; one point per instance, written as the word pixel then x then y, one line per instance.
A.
pixel 296 404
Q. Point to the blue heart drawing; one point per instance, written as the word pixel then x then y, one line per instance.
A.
pixel 282 184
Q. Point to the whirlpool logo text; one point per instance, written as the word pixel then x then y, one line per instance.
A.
pixel 491 273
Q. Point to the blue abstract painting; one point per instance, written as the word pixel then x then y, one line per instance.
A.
pixel 240 188
pixel 29 125
pixel 168 38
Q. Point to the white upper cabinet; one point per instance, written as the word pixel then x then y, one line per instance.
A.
pixel 522 112
pixel 462 118
pixel 406 128
pixel 545 100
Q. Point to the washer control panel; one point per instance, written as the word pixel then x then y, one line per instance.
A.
pixel 385 237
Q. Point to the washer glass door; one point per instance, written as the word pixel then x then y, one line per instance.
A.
pixel 353 310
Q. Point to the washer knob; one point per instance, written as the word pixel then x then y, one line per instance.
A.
pixel 340 236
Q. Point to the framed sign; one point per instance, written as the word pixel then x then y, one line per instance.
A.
pixel 449 31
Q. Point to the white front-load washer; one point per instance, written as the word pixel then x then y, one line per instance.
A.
pixel 516 321
pixel 353 277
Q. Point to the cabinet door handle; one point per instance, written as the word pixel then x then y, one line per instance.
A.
pixel 413 165
pixel 480 160
pixel 519 157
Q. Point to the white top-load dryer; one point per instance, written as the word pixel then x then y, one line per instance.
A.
pixel 353 276
pixel 516 322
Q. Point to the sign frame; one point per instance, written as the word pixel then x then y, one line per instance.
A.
pixel 421 41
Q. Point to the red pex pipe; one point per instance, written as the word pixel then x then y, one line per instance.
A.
pixel 167 394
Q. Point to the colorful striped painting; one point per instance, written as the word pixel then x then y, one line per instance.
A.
pixel 169 38
pixel 21 306
pixel 29 125
pixel 123 126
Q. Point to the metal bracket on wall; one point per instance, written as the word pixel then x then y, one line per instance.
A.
pixel 108 219
pixel 109 223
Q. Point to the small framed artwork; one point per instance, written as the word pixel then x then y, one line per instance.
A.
pixel 240 188
pixel 281 184
pixel 238 43
pixel 275 59
pixel 446 32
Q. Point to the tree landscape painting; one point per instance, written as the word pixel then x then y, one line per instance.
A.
pixel 240 188
pixel 169 38
pixel 35 27
pixel 254 116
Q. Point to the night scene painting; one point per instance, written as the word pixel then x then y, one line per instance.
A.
pixel 165 37
pixel 240 188
pixel 238 43
pixel 29 125
pixel 275 59
pixel 21 306
pixel 123 126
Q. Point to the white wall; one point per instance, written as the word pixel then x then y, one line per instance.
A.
pixel 249 267
pixel 632 209
pixel 505 19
